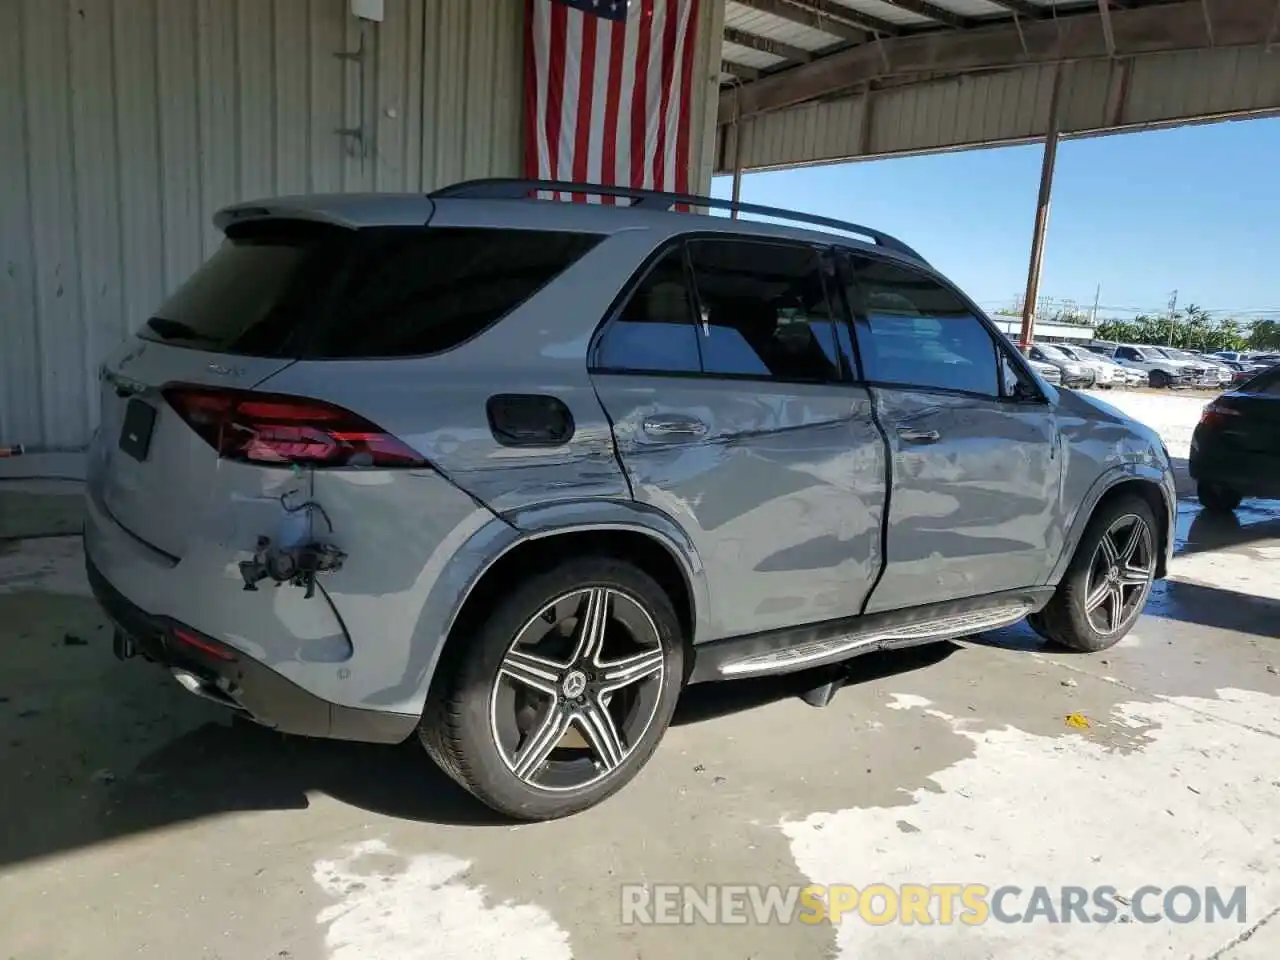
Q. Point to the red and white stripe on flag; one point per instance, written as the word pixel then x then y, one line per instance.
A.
pixel 608 90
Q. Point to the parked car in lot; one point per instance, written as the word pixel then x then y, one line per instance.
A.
pixel 1162 371
pixel 1047 371
pixel 505 474
pixel 1214 373
pixel 1240 372
pixel 1107 373
pixel 1074 373
pixel 1235 449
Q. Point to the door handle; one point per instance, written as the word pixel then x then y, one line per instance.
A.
pixel 674 427
pixel 912 435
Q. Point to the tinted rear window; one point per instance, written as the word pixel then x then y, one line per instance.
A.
pixel 311 290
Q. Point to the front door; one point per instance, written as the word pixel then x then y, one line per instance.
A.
pixel 728 385
pixel 976 464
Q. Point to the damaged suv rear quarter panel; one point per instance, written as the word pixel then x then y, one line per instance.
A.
pixel 417 540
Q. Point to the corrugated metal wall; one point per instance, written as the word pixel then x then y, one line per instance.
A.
pixel 1010 106
pixel 124 124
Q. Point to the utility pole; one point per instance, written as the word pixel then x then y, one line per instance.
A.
pixel 1173 306
pixel 1093 314
pixel 1042 212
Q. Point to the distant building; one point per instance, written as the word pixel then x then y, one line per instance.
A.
pixel 1044 330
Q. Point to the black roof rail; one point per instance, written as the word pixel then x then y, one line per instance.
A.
pixel 510 188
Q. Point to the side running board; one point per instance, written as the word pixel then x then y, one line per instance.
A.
pixel 784 651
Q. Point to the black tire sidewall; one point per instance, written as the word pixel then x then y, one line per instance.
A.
pixel 1217 498
pixel 487 776
pixel 1079 633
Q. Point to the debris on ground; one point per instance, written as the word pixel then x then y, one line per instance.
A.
pixel 71 640
pixel 1271 668
pixel 1078 721
pixel 103 776
pixel 1068 682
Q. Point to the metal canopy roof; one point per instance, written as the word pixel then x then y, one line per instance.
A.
pixel 780 53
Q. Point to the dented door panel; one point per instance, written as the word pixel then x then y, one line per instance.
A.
pixel 779 486
pixel 974 507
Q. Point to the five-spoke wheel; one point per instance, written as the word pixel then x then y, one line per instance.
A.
pixel 577 689
pixel 1106 585
pixel 562 691
pixel 1122 568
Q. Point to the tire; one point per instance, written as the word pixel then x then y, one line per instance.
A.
pixel 483 722
pixel 1217 498
pixel 1159 379
pixel 1067 620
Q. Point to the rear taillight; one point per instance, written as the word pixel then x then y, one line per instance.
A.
pixel 1216 413
pixel 274 429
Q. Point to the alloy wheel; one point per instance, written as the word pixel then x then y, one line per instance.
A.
pixel 577 689
pixel 1120 574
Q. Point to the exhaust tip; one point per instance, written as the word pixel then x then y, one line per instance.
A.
pixel 204 689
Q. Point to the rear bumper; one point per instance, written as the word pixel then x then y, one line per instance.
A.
pixel 1250 474
pixel 230 677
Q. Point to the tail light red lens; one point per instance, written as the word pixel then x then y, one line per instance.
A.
pixel 1216 414
pixel 282 430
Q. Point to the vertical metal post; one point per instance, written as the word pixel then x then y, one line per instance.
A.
pixel 737 150
pixel 1042 211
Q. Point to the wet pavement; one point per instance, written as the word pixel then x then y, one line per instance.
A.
pixel 139 823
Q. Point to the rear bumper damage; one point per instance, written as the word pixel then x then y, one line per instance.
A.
pixel 227 676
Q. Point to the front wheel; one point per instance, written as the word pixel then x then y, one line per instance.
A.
pixel 1217 498
pixel 1160 379
pixel 562 693
pixel 1108 581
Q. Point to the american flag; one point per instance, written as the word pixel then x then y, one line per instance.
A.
pixel 608 90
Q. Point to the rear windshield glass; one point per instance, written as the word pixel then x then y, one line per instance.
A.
pixel 311 290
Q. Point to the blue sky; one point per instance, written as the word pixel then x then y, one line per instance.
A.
pixel 1196 209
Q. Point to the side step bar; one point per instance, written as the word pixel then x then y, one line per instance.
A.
pixel 785 651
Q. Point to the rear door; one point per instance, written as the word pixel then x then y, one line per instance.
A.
pixel 727 378
pixel 974 446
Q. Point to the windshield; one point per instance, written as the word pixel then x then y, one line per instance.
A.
pixel 1073 353
pixel 1053 353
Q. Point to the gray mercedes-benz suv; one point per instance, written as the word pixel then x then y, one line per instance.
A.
pixel 507 473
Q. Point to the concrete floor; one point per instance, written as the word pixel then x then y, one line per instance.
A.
pixel 138 823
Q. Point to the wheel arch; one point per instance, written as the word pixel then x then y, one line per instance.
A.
pixel 654 543
pixel 1128 479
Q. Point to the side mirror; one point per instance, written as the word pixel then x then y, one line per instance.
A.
pixel 1025 393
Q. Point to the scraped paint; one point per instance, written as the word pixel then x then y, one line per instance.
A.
pixel 1194 799
pixel 391 907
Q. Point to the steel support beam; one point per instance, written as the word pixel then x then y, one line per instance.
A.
pixel 1166 27
pixel 1108 35
pixel 739 70
pixel 922 8
pixel 1042 212
pixel 1022 8
pixel 855 18
pixel 808 16
pixel 774 48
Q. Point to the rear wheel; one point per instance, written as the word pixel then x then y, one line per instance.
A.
pixel 1107 583
pixel 1217 498
pixel 1160 379
pixel 562 693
